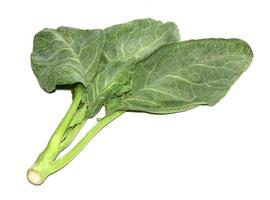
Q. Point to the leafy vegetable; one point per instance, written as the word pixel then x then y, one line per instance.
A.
pixel 136 66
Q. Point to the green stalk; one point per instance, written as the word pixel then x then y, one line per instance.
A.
pixel 63 161
pixel 38 172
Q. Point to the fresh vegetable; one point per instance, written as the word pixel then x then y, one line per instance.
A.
pixel 136 66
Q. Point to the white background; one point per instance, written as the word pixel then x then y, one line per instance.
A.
pixel 211 153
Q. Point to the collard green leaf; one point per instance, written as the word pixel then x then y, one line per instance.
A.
pixel 184 75
pixel 126 45
pixel 66 56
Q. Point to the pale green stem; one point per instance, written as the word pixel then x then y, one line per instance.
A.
pixel 37 174
pixel 63 161
pixel 52 149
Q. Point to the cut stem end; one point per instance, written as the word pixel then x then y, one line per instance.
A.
pixel 34 177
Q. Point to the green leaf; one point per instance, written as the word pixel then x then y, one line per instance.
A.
pixel 184 75
pixel 66 56
pixel 126 45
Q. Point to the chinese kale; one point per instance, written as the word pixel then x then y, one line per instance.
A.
pixel 136 66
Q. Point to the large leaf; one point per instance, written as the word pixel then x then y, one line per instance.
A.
pixel 184 75
pixel 126 45
pixel 66 56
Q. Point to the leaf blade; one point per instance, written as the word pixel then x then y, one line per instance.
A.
pixel 184 75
